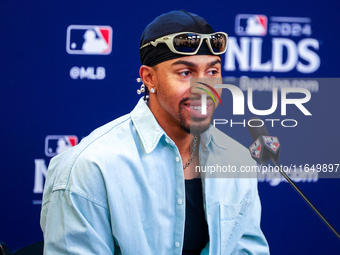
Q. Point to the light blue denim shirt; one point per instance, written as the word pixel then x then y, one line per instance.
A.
pixel 121 190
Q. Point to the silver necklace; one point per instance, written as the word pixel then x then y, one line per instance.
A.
pixel 194 144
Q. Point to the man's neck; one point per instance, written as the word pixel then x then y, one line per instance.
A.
pixel 181 138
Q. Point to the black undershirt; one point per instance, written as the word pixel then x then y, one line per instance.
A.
pixel 196 234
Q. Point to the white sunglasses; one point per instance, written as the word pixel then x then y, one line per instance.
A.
pixel 189 43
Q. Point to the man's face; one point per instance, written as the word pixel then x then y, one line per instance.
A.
pixel 174 101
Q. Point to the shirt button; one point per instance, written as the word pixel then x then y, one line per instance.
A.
pixel 179 201
pixel 177 159
pixel 177 244
pixel 167 140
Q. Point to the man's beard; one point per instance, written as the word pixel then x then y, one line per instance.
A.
pixel 192 125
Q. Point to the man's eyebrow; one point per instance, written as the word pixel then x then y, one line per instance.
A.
pixel 218 61
pixel 191 64
pixel 183 62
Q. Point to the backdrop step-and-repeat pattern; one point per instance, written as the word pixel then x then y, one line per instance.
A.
pixel 68 67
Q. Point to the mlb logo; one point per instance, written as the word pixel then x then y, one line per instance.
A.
pixel 255 149
pixel 55 144
pixel 272 142
pixel 89 40
pixel 251 24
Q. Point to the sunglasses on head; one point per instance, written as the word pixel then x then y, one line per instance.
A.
pixel 188 43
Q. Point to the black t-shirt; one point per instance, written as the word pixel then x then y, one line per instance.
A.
pixel 196 233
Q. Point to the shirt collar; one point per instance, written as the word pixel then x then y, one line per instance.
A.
pixel 151 132
pixel 206 138
pixel 146 125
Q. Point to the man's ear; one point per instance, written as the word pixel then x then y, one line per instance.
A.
pixel 148 75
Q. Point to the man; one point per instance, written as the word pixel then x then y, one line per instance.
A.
pixel 130 186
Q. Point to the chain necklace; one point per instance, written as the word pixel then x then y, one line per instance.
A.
pixel 194 144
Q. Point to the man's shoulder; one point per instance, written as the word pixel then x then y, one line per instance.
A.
pixel 230 147
pixel 230 153
pixel 224 141
pixel 109 138
pixel 108 135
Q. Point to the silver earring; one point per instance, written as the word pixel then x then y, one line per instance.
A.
pixel 152 90
pixel 142 87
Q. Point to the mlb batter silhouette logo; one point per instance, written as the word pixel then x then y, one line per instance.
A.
pixel 251 25
pixel 89 40
pixel 56 144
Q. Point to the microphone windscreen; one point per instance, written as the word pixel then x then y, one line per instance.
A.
pixel 258 128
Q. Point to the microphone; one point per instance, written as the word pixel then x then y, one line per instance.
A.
pixel 264 146
pixel 267 147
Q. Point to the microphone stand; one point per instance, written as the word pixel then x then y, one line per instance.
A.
pixel 305 198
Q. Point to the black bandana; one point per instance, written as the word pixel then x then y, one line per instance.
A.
pixel 169 23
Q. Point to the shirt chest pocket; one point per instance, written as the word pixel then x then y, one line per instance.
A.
pixel 230 217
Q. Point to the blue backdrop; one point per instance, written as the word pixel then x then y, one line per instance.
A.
pixel 54 92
